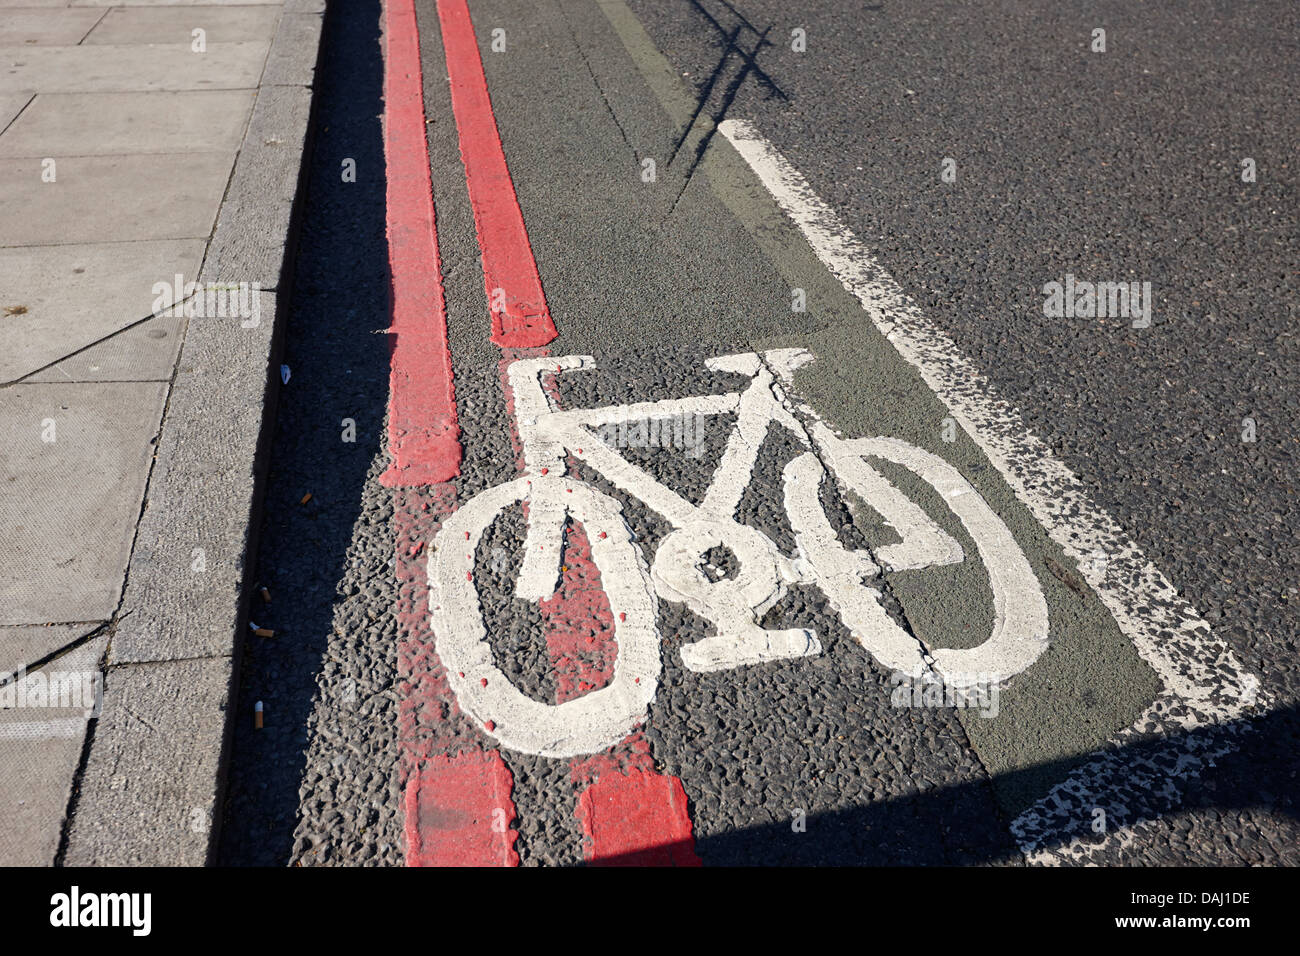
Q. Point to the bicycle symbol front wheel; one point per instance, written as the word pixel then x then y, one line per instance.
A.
pixel 586 724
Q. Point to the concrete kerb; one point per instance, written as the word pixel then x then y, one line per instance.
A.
pixel 153 775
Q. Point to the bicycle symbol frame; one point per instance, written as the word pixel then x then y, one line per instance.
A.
pixel 734 605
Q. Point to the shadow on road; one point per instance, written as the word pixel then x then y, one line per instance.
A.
pixel 1249 778
pixel 339 374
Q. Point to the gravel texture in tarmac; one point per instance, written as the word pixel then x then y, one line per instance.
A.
pixel 1107 166
pixel 1122 165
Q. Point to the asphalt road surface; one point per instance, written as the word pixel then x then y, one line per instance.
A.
pixel 909 568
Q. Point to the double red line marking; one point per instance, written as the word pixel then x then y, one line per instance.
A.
pixel 458 791
pixel 423 433
pixel 520 318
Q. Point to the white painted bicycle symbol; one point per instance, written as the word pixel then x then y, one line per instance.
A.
pixel 734 605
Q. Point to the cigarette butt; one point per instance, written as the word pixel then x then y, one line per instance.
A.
pixel 266 595
pixel 264 632
pixel 257 715
pixel 305 498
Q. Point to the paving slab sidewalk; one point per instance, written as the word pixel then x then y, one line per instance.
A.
pixel 150 155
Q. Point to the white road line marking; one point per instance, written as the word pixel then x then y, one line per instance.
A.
pixel 1205 685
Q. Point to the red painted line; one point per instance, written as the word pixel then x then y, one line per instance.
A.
pixel 520 317
pixel 459 808
pixel 429 722
pixel 458 813
pixel 637 819
pixel 458 796
pixel 454 788
pixel 631 814
pixel 629 754
pixel 578 623
pixel 423 434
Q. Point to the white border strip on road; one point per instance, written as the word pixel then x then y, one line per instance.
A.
pixel 1205 685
